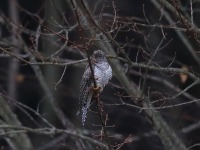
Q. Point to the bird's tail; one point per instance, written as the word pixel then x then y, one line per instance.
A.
pixel 86 102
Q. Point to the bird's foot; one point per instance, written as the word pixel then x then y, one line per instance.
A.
pixel 97 91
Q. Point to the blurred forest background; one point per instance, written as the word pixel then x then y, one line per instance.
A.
pixel 152 101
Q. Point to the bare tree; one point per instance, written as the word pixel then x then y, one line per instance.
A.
pixel 150 103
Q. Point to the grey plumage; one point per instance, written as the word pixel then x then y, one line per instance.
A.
pixel 102 73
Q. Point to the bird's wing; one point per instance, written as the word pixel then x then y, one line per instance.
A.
pixel 86 94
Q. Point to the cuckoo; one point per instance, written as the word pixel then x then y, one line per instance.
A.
pixel 102 74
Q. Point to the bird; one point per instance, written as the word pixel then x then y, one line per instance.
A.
pixel 102 74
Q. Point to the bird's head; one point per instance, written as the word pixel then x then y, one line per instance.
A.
pixel 98 55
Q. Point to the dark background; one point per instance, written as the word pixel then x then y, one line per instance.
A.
pixel 124 121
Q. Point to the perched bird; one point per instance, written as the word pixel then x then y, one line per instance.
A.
pixel 102 73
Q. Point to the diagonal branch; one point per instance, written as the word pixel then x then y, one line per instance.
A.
pixel 9 117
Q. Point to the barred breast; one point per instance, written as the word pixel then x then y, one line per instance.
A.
pixel 103 74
